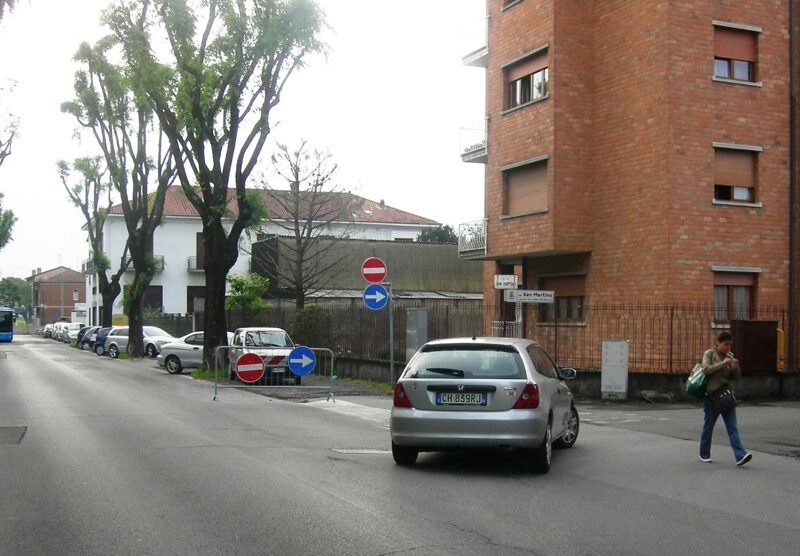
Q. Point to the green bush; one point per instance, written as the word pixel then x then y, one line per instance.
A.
pixel 311 326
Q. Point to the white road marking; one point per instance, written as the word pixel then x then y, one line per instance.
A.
pixel 375 415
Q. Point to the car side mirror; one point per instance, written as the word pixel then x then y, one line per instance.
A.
pixel 567 373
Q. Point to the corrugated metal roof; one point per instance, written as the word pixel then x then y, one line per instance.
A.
pixel 362 210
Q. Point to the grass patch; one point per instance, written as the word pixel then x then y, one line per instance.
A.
pixel 73 344
pixel 201 373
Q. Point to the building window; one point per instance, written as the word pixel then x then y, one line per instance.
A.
pixel 74 295
pixel 735 174
pixel 734 296
pixel 525 189
pixel 569 298
pixel 735 54
pixel 527 81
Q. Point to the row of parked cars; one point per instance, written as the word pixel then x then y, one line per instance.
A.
pixel 175 354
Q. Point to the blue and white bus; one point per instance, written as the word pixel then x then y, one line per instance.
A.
pixel 7 317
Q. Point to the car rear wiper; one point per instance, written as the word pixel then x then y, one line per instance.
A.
pixel 446 371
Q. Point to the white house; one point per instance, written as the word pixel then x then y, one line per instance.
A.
pixel 178 286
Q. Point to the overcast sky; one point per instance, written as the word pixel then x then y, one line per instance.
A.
pixel 388 104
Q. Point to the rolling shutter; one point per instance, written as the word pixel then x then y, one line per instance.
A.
pixel 734 44
pixel 732 167
pixel 565 286
pixel 526 188
pixel 526 67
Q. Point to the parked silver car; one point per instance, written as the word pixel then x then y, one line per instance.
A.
pixel 185 352
pixel 273 345
pixel 483 392
pixel 154 338
pixel 71 330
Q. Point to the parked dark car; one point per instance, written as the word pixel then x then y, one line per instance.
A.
pixel 100 340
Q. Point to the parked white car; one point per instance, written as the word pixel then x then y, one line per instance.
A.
pixel 185 352
pixel 273 345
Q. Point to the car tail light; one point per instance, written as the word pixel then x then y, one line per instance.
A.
pixel 529 399
pixel 400 398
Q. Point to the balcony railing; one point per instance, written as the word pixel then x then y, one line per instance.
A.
pixel 159 263
pixel 193 266
pixel 474 146
pixel 472 239
pixel 87 266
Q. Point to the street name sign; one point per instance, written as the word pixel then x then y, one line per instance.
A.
pixel 302 360
pixel 529 296
pixel 249 368
pixel 506 281
pixel 373 270
pixel 375 297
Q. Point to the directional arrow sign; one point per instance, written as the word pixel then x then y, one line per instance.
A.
pixel 375 297
pixel 302 360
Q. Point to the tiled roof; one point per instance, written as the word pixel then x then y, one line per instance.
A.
pixel 364 210
pixel 58 274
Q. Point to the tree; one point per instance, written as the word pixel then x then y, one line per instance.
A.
pixel 91 193
pixel 9 131
pixel 439 234
pixel 6 5
pixel 139 159
pixel 247 293
pixel 314 214
pixel 228 64
pixel 15 292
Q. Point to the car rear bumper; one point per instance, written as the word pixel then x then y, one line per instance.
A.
pixel 518 428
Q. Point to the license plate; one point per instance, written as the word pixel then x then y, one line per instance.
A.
pixel 460 398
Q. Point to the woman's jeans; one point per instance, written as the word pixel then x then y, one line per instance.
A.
pixel 709 420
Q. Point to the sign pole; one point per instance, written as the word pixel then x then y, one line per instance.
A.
pixel 391 335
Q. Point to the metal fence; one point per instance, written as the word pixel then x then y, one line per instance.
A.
pixel 662 338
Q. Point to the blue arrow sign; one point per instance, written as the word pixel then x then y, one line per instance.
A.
pixel 302 360
pixel 375 297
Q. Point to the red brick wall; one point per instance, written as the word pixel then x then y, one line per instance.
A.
pixel 519 135
pixel 629 128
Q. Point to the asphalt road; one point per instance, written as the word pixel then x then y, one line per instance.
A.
pixel 117 457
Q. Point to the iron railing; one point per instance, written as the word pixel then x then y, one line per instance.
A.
pixel 472 239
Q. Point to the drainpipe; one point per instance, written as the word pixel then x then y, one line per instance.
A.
pixel 792 322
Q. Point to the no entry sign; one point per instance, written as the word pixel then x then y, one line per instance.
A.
pixel 373 270
pixel 250 368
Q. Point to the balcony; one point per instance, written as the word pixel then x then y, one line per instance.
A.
pixel 159 263
pixel 473 142
pixel 472 240
pixel 87 266
pixel 193 265
pixel 479 58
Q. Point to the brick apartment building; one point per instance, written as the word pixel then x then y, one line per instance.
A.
pixel 639 152
pixel 55 292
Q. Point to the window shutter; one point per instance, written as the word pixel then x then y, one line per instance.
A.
pixel 735 44
pixel 527 66
pixel 526 188
pixel 565 286
pixel 734 279
pixel 732 167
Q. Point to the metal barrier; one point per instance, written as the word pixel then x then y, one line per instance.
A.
pixel 277 372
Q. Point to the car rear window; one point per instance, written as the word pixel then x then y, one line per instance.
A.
pixel 267 338
pixel 467 361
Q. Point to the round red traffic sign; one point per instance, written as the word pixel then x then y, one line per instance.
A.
pixel 373 270
pixel 249 368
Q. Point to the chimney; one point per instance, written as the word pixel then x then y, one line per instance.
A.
pixel 38 270
pixel 382 205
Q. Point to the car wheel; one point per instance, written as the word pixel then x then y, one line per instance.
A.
pixel 570 435
pixel 113 352
pixel 404 455
pixel 150 351
pixel 99 350
pixel 542 456
pixel 173 365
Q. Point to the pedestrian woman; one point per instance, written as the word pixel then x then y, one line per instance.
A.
pixel 722 370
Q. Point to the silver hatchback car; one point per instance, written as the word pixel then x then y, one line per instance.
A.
pixel 483 392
